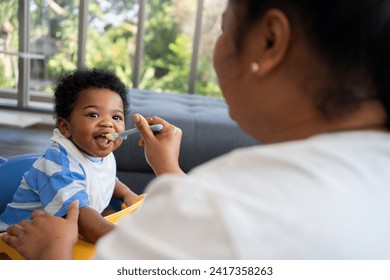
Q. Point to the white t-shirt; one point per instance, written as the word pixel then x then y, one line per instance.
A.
pixel 325 197
pixel 99 174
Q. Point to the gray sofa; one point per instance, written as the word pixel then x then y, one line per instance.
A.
pixel 207 129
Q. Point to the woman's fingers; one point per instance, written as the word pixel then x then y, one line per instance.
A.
pixel 143 126
pixel 15 230
pixel 37 213
pixel 73 211
pixel 10 240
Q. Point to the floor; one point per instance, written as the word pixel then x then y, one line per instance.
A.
pixel 16 140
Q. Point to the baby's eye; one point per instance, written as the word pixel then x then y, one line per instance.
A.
pixel 117 118
pixel 93 115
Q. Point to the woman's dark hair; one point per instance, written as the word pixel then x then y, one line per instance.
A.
pixel 353 36
pixel 71 84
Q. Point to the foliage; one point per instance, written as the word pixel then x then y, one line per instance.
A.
pixel 112 27
pixel 8 43
pixel 206 76
pixel 58 29
pixel 167 50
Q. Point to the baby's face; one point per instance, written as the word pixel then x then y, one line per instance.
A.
pixel 97 111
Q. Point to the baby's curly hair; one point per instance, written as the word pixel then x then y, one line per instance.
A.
pixel 70 85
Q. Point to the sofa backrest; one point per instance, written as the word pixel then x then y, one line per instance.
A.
pixel 208 131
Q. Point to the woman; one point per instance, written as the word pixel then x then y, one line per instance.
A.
pixel 309 78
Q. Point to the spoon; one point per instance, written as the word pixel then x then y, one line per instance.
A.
pixel 124 134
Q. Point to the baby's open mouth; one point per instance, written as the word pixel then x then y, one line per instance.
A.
pixel 102 140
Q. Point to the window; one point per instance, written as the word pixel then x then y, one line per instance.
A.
pixel 161 45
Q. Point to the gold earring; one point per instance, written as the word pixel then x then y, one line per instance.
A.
pixel 255 67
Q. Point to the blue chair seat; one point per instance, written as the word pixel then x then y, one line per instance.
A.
pixel 11 172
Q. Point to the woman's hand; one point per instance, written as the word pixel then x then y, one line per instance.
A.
pixel 161 149
pixel 45 237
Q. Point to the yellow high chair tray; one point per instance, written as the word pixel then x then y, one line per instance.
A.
pixel 83 250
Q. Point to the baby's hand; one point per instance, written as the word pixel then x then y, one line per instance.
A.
pixel 132 201
pixel 129 199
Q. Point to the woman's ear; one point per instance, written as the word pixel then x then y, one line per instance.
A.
pixel 63 126
pixel 275 33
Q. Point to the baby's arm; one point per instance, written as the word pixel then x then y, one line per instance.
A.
pixel 92 225
pixel 124 193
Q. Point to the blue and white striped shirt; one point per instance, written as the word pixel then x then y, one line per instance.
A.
pixel 61 175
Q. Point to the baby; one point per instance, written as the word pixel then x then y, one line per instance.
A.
pixel 79 165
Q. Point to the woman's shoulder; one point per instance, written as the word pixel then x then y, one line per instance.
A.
pixel 320 151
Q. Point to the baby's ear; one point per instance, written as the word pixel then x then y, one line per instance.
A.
pixel 63 126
